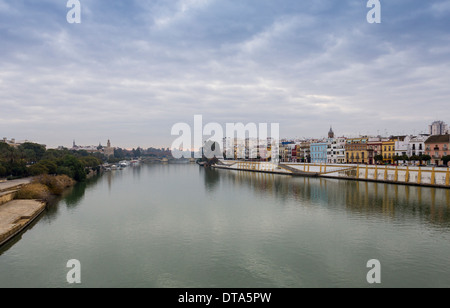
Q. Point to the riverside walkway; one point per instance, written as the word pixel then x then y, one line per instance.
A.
pixel 405 175
pixel 15 215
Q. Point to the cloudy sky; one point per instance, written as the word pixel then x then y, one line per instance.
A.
pixel 132 69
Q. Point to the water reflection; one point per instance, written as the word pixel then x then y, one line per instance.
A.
pixel 429 205
pixel 71 197
pixel 212 178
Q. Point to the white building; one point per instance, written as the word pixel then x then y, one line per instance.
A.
pixel 402 146
pixel 417 145
pixel 336 151
pixel 438 128
pixel 15 144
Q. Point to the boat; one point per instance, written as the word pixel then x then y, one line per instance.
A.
pixel 134 162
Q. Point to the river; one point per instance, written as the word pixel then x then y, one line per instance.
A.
pixel 180 225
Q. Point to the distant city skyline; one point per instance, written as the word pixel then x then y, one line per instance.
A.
pixel 132 69
pixel 427 131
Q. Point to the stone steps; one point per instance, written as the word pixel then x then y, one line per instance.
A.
pixel 7 196
pixel 16 215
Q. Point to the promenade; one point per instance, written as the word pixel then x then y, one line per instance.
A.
pixel 405 175
pixel 15 215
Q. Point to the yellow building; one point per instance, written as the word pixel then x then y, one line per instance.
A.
pixel 388 151
pixel 356 150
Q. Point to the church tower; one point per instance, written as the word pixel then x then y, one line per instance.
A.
pixel 331 133
pixel 108 151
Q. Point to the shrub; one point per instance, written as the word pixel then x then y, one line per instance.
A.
pixel 33 191
pixel 56 184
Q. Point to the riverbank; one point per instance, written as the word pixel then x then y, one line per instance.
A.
pixel 16 215
pixel 23 200
pixel 404 175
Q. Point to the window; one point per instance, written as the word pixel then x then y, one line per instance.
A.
pixel 420 147
pixel 414 147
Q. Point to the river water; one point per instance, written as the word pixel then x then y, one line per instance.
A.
pixel 180 225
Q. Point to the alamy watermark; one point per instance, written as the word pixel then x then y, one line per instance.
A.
pixel 74 274
pixel 374 15
pixel 236 141
pixel 74 14
pixel 374 275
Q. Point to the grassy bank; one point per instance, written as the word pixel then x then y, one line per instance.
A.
pixel 44 187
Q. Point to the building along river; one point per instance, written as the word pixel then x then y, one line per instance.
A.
pixel 179 225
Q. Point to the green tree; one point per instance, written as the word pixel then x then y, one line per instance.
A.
pixel 446 159
pixel 66 171
pixel 425 158
pixel 76 167
pixel 37 169
pixel 378 158
pixel 28 148
pixel 50 165
pixel 414 158
pixel 3 171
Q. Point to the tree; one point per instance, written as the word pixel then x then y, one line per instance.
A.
pixel 50 165
pixel 136 152
pixel 414 158
pixel 425 158
pixel 76 167
pixel 3 171
pixel 446 159
pixel 37 169
pixel 34 150
pixel 378 158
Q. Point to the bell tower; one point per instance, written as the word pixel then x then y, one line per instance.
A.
pixel 331 133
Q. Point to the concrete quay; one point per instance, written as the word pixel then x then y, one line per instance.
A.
pixel 404 175
pixel 16 215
